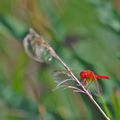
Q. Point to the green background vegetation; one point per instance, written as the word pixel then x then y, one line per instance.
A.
pixel 84 33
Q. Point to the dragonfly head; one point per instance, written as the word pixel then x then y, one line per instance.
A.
pixel 84 75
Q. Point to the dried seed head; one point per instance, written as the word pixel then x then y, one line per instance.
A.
pixel 37 48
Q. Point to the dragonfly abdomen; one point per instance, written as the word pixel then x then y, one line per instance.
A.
pixel 101 77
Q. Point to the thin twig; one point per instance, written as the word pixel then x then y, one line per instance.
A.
pixel 43 43
pixel 63 82
pixel 75 89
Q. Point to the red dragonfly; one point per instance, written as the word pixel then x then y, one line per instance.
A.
pixel 88 76
pixel 89 80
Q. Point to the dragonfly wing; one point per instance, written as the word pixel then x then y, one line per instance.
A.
pixel 92 86
pixel 98 90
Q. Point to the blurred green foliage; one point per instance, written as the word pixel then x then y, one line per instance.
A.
pixel 86 35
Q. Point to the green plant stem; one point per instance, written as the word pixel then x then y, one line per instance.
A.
pixel 105 106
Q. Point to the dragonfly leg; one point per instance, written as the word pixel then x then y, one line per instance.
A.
pixel 84 82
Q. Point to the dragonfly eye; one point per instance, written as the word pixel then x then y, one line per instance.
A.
pixel 82 75
pixel 86 74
